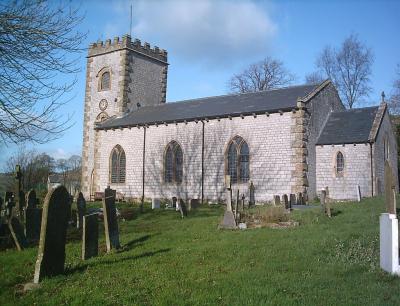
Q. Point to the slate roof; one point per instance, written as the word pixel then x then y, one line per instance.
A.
pixel 348 126
pixel 219 106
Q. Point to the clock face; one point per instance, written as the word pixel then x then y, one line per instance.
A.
pixel 103 104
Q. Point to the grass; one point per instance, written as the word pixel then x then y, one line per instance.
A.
pixel 170 261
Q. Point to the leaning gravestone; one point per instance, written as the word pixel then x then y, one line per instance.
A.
pixel 110 220
pixel 33 219
pixel 17 233
pixel 358 190
pixel 182 208
pixel 81 207
pixel 389 190
pixel 90 236
pixel 53 234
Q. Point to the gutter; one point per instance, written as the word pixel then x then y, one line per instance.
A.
pixel 372 170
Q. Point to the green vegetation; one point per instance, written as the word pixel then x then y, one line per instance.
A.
pixel 169 261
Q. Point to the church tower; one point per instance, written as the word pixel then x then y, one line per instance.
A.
pixel 120 77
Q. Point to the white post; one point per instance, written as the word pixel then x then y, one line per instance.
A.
pixel 389 243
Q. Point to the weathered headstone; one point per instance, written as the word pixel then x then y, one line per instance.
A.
pixel 18 188
pixel 277 200
pixel 53 234
pixel 292 199
pixel 325 203
pixel 182 208
pixel 252 200
pixel 174 201
pixel 389 187
pixel 242 207
pixel 323 200
pixel 81 209
pixel 17 233
pixel 300 200
pixel 33 219
pixel 110 220
pixel 194 204
pixel 237 206
pixel 90 236
pixel 285 201
pixel 358 190
pixel 155 203
pixel 31 199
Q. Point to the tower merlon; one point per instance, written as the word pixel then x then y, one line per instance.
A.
pixel 125 42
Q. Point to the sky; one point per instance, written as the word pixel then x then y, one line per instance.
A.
pixel 209 41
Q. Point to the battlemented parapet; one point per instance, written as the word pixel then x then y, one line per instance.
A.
pixel 126 42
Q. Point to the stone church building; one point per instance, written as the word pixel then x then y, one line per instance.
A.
pixel 283 141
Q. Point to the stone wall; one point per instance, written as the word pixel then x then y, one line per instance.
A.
pixel 269 139
pixel 357 170
pixel 318 110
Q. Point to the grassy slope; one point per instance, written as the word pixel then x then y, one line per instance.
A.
pixel 168 261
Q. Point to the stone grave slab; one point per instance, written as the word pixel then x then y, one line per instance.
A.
pixel 53 234
pixel 285 201
pixel 182 208
pixel 155 203
pixel 90 236
pixel 33 220
pixel 389 187
pixel 277 200
pixel 228 222
pixel 17 233
pixel 81 209
pixel 194 204
pixel 31 200
pixel 110 220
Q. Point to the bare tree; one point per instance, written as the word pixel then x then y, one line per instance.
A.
pixel 264 75
pixel 314 78
pixel 394 100
pixel 37 43
pixel 349 68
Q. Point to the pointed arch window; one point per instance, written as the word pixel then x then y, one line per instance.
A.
pixel 117 165
pixel 339 164
pixel 238 160
pixel 173 163
pixel 104 76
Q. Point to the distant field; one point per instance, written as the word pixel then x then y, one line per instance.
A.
pixel 169 261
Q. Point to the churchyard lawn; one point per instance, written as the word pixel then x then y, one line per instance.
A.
pixel 167 260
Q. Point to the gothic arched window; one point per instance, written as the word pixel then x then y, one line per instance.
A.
pixel 339 164
pixel 117 165
pixel 173 163
pixel 104 76
pixel 238 160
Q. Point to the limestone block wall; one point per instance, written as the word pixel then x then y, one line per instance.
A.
pixel 385 132
pixel 318 109
pixel 357 170
pixel 269 141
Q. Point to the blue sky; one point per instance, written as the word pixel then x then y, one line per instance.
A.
pixel 208 41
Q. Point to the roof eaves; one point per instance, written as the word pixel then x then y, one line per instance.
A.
pixel 377 122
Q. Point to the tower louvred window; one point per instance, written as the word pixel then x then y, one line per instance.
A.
pixel 117 165
pixel 105 81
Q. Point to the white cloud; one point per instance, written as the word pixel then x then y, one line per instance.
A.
pixel 205 31
pixel 59 153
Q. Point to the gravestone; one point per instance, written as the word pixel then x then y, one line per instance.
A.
pixel 323 200
pixel 390 198
pixel 33 219
pixel 277 200
pixel 237 206
pixel 81 207
pixel 194 204
pixel 285 201
pixel 9 203
pixel 174 201
pixel 243 198
pixel 300 200
pixel 90 236
pixel 53 234
pixel 155 203
pixel 182 208
pixel 252 200
pixel 325 204
pixel 358 190
pixel 110 220
pixel 17 233
pixel 292 199
pixel 31 200
pixel 18 188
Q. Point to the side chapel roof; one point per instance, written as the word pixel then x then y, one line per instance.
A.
pixel 283 99
pixel 357 125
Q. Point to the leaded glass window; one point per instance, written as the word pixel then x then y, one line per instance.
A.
pixel 117 165
pixel 173 163
pixel 238 160
pixel 105 81
pixel 339 164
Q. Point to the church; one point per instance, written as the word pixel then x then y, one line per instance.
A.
pixel 292 140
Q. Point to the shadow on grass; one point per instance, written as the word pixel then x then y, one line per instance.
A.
pixel 83 268
pixel 135 242
pixel 335 212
